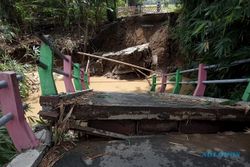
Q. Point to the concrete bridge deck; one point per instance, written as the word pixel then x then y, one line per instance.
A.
pixel 126 116
pixel 131 106
pixel 229 149
pixel 137 114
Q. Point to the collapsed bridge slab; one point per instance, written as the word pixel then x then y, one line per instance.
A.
pixel 132 106
pixel 138 114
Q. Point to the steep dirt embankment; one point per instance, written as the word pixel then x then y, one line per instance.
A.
pixel 137 30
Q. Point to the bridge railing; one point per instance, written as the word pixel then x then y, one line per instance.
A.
pixel 13 112
pixel 201 81
pixel 71 71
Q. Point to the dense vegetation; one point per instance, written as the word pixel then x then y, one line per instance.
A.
pixel 27 14
pixel 215 32
pixel 7 149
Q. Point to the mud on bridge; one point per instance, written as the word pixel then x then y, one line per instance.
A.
pixel 133 114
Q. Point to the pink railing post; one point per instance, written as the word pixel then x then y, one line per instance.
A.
pixel 202 76
pixel 67 68
pixel 82 79
pixel 10 100
pixel 163 83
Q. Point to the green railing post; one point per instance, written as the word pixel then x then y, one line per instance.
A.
pixel 47 82
pixel 178 79
pixel 153 85
pixel 77 77
pixel 86 80
pixel 246 95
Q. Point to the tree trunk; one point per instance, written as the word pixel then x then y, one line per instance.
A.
pixel 132 2
pixel 9 13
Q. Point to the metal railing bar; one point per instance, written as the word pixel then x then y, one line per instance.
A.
pixel 3 84
pixel 171 82
pixel 54 49
pixel 226 81
pixel 189 70
pixel 214 66
pixel 238 62
pixel 183 82
pixel 184 71
pixel 6 118
pixel 19 77
pixel 189 82
pixel 25 106
pixel 41 64
pixel 58 71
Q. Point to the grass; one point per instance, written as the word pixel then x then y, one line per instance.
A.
pixel 7 149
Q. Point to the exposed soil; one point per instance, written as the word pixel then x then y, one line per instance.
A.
pixel 115 36
pixel 137 30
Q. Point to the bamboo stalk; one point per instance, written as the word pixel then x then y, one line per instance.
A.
pixel 143 75
pixel 115 61
pixel 87 66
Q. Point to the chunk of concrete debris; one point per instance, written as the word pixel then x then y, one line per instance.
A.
pixel 32 157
